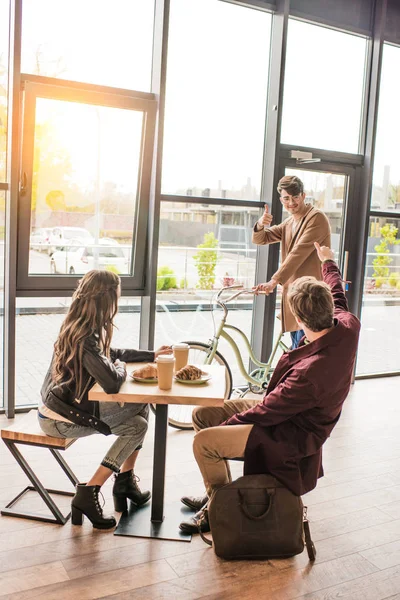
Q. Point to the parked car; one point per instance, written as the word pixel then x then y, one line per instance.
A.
pixel 78 259
pixel 61 236
pixel 40 239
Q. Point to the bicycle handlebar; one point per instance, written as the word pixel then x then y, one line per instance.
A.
pixel 228 287
pixel 233 296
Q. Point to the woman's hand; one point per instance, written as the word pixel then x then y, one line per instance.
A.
pixel 119 363
pixel 324 253
pixel 163 350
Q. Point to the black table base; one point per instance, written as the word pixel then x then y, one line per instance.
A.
pixel 154 520
pixel 137 523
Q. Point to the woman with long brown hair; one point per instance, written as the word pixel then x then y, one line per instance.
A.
pixel 83 356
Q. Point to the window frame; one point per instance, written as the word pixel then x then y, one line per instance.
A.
pixel 61 285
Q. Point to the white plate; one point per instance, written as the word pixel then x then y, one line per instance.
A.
pixel 143 380
pixel 203 379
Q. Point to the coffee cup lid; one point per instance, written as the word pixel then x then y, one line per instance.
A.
pixel 165 358
pixel 180 346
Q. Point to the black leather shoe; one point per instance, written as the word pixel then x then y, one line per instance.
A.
pixel 193 502
pixel 191 525
pixel 126 487
pixel 86 503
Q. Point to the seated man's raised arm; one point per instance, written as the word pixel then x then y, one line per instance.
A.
pixel 332 276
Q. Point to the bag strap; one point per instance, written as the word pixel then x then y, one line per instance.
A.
pixel 243 506
pixel 198 523
pixel 311 551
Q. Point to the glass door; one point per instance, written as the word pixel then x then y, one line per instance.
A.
pixel 85 182
pixel 328 188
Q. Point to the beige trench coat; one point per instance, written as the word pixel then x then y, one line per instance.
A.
pixel 298 255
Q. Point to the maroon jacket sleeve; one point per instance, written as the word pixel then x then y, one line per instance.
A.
pixel 332 276
pixel 294 395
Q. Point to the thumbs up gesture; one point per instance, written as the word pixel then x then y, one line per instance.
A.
pixel 266 219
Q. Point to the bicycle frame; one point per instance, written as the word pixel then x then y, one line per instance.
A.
pixel 265 368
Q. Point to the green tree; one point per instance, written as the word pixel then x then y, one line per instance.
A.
pixel 206 261
pixel 382 261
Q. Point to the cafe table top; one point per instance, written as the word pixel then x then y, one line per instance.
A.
pixel 211 393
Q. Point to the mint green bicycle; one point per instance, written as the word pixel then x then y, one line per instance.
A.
pixel 201 353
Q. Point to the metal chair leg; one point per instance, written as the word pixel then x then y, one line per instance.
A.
pixel 37 486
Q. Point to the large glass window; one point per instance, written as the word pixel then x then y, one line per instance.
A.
pixel 203 248
pixel 217 80
pixel 386 178
pixel 84 195
pixel 324 83
pixel 95 41
pixel 380 331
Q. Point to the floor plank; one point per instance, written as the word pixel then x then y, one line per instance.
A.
pixel 354 514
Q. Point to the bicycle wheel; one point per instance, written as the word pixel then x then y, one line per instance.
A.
pixel 180 415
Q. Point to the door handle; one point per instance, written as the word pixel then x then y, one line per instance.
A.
pixel 345 268
pixel 22 183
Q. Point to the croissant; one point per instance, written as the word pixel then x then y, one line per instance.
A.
pixel 189 373
pixel 146 372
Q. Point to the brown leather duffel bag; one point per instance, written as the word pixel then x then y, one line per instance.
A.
pixel 257 517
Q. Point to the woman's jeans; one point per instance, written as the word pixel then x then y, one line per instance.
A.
pixel 128 423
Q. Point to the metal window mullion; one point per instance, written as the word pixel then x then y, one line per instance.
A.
pixel 83 86
pixel 255 4
pixel 361 210
pixel 385 214
pixel 158 86
pixel 211 201
pixel 13 147
pixel 268 256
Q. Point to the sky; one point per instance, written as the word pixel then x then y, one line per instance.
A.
pixel 216 84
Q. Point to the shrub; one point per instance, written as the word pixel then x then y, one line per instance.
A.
pixel 112 268
pixel 165 279
pixel 206 261
pixel 381 262
pixel 394 279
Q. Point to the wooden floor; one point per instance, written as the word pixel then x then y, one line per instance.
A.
pixel 354 513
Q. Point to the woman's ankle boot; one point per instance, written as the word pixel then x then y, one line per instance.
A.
pixel 86 502
pixel 126 486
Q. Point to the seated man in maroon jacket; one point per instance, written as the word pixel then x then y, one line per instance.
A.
pixel 284 433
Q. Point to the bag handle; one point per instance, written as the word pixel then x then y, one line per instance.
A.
pixel 243 506
pixel 204 513
pixel 311 551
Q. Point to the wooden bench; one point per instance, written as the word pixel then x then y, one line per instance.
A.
pixel 26 431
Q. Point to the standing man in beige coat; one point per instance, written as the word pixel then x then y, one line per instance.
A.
pixel 297 235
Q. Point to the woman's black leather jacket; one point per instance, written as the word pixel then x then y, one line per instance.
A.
pixel 61 398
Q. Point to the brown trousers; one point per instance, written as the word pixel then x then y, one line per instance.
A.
pixel 213 445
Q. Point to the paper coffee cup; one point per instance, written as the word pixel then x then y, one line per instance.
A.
pixel 165 368
pixel 181 353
